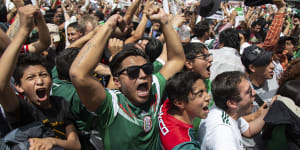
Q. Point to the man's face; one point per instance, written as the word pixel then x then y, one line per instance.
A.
pixel 201 64
pixel 36 85
pixel 73 34
pixel 247 95
pixel 256 29
pixel 266 71
pixel 198 101
pixel 136 90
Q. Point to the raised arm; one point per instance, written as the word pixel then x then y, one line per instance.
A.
pixel 139 32
pixel 8 60
pixel 90 91
pixel 44 36
pixel 175 52
pixel 5 40
pixel 131 10
pixel 274 31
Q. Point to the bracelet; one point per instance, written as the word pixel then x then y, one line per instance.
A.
pixel 176 28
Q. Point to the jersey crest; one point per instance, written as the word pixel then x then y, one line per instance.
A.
pixel 147 123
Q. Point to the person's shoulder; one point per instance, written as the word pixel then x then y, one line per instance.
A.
pixel 217 117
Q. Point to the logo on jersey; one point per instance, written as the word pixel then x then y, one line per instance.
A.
pixel 147 123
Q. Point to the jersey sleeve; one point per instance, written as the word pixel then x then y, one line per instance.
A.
pixel 160 81
pixel 108 110
pixel 157 65
pixel 222 139
pixel 187 146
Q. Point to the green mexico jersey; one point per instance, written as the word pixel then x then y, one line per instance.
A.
pixel 122 125
pixel 67 90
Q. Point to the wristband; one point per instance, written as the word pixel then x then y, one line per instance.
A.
pixel 176 28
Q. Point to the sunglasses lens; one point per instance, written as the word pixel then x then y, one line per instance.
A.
pixel 148 68
pixel 133 72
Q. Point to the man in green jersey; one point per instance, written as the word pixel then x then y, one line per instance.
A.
pixel 127 117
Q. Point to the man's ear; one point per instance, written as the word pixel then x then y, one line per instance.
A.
pixel 179 104
pixel 188 64
pixel 251 68
pixel 232 104
pixel 19 88
pixel 117 82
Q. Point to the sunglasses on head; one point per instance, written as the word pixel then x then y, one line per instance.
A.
pixel 133 72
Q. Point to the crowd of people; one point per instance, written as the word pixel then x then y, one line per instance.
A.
pixel 97 75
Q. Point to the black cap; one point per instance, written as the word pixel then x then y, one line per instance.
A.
pixel 208 7
pixel 256 56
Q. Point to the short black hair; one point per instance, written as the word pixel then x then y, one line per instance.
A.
pixel 153 49
pixel 26 60
pixel 64 61
pixel 245 34
pixel 193 49
pixel 99 15
pixel 226 87
pixel 128 50
pixel 180 85
pixel 230 38
pixel 200 28
pixel 291 90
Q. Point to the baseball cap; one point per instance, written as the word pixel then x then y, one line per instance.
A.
pixel 256 56
pixel 54 32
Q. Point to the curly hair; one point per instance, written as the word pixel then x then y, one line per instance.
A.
pixel 291 73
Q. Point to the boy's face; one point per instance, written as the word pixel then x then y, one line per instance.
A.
pixel 198 101
pixel 36 84
pixel 135 89
pixel 201 64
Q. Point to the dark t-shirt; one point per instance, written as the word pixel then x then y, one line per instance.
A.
pixel 57 117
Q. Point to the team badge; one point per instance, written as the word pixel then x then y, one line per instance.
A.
pixel 147 123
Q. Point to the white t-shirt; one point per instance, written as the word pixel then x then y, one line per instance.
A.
pixel 225 59
pixel 220 132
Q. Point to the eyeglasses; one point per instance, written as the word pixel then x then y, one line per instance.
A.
pixel 133 72
pixel 204 56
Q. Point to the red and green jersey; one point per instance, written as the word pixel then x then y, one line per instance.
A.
pixel 175 134
pixel 123 125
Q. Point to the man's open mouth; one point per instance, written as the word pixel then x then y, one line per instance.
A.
pixel 143 90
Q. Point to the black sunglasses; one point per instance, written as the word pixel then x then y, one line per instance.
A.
pixel 133 72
